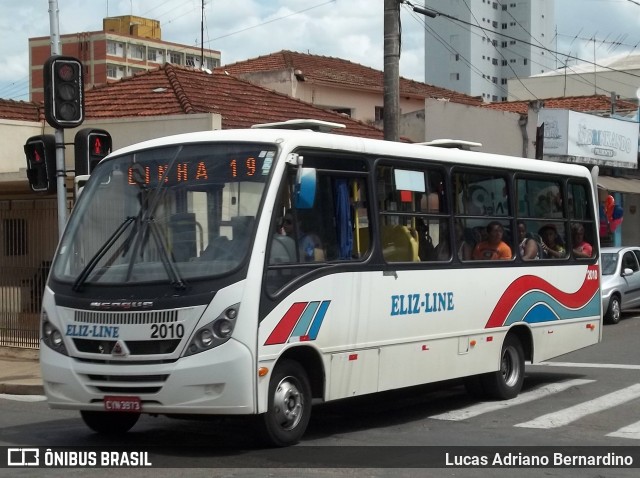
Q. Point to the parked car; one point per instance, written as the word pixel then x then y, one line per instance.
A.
pixel 620 281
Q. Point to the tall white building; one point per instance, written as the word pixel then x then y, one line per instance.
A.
pixel 495 40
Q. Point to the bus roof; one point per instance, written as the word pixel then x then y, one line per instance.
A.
pixel 291 140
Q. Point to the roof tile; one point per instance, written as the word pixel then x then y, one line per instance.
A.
pixel 584 104
pixel 21 110
pixel 341 73
pixel 172 89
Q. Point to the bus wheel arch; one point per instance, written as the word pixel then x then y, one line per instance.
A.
pixel 310 360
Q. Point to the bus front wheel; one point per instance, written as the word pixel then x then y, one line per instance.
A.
pixel 289 408
pixel 109 423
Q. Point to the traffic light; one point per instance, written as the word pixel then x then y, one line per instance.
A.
pixel 90 146
pixel 63 92
pixel 41 163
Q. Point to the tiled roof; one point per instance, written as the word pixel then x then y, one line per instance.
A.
pixel 583 104
pixel 341 73
pixel 172 89
pixel 21 110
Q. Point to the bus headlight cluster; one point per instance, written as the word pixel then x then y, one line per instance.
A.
pixel 215 332
pixel 51 336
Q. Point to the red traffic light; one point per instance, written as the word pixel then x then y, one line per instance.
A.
pixel 65 72
pixel 40 152
pixel 90 146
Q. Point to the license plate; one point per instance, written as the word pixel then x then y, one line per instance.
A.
pixel 123 404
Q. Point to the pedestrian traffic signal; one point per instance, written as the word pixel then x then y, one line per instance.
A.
pixel 90 146
pixel 41 163
pixel 63 92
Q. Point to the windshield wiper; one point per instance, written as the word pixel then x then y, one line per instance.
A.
pixel 145 222
pixel 82 277
pixel 168 262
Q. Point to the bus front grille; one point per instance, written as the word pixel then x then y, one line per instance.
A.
pixel 136 347
pixel 125 318
pixel 127 384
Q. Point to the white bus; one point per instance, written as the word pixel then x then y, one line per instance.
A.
pixel 251 272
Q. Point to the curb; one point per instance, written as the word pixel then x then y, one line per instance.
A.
pixel 19 353
pixel 21 389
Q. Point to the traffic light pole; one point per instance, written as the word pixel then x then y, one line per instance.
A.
pixel 61 175
pixel 59 134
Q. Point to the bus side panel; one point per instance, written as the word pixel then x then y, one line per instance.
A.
pixel 410 327
pixel 432 360
pixel 353 373
pixel 558 339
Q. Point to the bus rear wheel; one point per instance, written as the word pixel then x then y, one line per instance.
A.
pixel 505 383
pixel 109 423
pixel 289 407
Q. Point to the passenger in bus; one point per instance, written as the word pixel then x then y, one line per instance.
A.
pixel 309 244
pixel 465 250
pixel 552 247
pixel 529 247
pixel 493 247
pixel 479 234
pixel 581 248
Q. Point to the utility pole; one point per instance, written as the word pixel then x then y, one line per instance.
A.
pixel 391 100
pixel 59 133
pixel 392 42
pixel 202 37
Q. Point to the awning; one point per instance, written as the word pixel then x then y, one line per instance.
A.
pixel 620 185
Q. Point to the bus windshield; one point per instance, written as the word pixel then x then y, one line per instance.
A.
pixel 175 214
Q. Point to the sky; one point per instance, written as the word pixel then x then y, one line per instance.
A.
pixel 242 29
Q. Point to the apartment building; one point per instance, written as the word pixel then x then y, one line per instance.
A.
pixel 491 41
pixel 126 45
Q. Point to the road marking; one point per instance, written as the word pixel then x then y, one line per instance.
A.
pixel 486 407
pixel 631 431
pixel 589 365
pixel 23 398
pixel 568 415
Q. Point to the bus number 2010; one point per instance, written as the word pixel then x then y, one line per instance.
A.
pixel 164 331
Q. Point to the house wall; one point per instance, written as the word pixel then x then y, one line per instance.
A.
pixel 13 136
pixel 127 131
pixel 584 84
pixel 361 102
pixel 124 131
pixel 498 131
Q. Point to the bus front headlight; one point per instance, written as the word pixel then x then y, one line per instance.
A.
pixel 51 336
pixel 215 332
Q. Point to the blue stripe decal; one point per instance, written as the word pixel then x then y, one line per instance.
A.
pixel 537 306
pixel 315 327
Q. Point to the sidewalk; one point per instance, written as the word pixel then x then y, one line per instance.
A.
pixel 20 372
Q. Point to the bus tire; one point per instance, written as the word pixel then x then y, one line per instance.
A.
pixel 289 407
pixel 507 382
pixel 109 423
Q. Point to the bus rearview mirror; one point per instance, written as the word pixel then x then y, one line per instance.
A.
pixel 305 188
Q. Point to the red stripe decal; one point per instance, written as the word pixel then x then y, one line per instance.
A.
pixel 524 284
pixel 283 330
